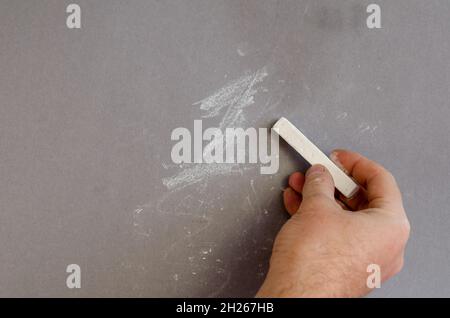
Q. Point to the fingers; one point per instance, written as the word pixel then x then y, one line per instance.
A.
pixel 296 181
pixel 357 202
pixel 342 205
pixel 292 196
pixel 381 188
pixel 318 184
pixel 292 200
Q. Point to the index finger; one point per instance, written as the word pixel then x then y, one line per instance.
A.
pixel 381 187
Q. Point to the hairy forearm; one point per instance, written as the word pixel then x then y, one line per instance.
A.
pixel 318 281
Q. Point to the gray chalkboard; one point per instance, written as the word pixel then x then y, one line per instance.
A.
pixel 86 115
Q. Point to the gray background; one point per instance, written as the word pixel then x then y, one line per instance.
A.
pixel 86 117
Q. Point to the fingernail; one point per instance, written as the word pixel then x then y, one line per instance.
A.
pixel 315 170
pixel 334 157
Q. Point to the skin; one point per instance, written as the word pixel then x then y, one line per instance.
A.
pixel 324 249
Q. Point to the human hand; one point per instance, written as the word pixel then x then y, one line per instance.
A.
pixel 324 249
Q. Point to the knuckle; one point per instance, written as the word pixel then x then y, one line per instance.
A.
pixel 388 173
pixel 405 230
pixel 317 180
pixel 399 266
pixel 316 197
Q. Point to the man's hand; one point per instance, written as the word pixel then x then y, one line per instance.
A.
pixel 326 246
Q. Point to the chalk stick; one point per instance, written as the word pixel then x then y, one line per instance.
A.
pixel 294 137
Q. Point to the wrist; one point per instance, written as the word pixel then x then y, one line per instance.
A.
pixel 308 284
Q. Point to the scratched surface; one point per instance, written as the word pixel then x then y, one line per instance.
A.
pixel 86 115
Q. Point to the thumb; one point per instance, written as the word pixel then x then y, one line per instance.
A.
pixel 319 184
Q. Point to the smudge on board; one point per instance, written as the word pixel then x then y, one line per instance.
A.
pixel 234 97
pixel 196 174
pixel 232 102
pixel 342 116
pixel 365 127
pixel 243 49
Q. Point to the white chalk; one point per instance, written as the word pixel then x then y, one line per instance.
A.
pixel 294 137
